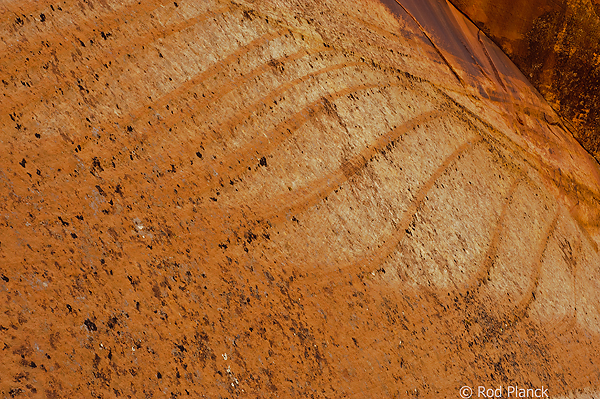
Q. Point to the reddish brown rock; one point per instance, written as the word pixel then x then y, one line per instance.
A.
pixel 295 199
pixel 557 45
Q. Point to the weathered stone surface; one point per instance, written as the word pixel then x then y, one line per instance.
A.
pixel 277 198
pixel 557 45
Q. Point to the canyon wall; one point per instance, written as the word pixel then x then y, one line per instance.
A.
pixel 285 198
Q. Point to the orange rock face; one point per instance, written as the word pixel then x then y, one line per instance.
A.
pixel 557 45
pixel 295 199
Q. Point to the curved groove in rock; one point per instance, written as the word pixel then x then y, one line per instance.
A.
pixel 196 80
pixel 108 21
pixel 229 125
pixel 216 171
pixel 482 274
pixel 315 191
pixel 372 261
pixel 237 82
pixel 119 263
pixel 520 310
pixel 26 97
pixel 225 128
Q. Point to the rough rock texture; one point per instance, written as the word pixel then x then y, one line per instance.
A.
pixel 556 43
pixel 278 198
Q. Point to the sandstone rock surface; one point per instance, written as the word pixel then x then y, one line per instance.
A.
pixel 277 198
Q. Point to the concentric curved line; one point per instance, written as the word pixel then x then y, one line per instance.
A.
pixel 216 171
pixel 315 191
pixel 202 76
pixel 213 95
pixel 586 234
pixel 229 125
pixel 24 98
pixel 385 250
pixel 91 27
pixel 368 263
pixel 569 321
pixel 488 262
pixel 114 125
pixel 57 37
pixel 234 83
pixel 533 160
pixel 523 306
